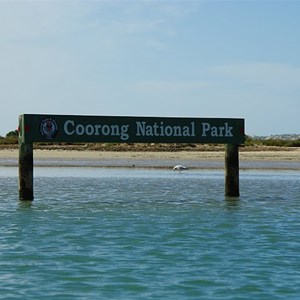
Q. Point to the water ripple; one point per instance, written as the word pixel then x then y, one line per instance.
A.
pixel 151 235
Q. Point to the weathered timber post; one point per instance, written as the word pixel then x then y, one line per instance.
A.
pixel 26 171
pixel 232 170
pixel 25 163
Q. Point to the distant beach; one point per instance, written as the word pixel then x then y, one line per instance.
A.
pixel 194 159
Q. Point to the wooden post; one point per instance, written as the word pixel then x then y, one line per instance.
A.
pixel 232 170
pixel 25 171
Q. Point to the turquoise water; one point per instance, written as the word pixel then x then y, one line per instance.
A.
pixel 111 233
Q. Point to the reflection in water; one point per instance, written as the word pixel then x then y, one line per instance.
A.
pixel 24 204
pixel 232 203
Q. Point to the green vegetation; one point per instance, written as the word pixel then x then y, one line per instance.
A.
pixel 10 138
pixel 272 142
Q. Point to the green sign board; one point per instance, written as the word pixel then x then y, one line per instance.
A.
pixel 114 129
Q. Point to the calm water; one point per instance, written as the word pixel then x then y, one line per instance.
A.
pixel 100 233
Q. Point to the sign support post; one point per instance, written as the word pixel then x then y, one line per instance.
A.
pixel 26 171
pixel 25 162
pixel 232 170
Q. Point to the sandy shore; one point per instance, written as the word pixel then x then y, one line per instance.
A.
pixel 293 155
pixel 204 159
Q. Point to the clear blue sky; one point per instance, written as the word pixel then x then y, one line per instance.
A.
pixel 152 58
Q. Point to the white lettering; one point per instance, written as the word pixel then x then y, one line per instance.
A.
pixel 79 129
pixel 115 130
pixel 144 129
pixel 89 129
pixel 178 130
pixel 105 130
pixel 149 130
pixel 124 134
pixel 205 128
pixel 71 128
pixel 155 126
pixel 140 128
pixel 66 129
pixel 228 129
pixel 168 131
pixel 97 128
pixel 193 128
pixel 214 131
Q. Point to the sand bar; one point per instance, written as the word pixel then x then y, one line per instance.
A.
pixel 202 159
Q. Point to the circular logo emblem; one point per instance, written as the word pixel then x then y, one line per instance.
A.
pixel 48 128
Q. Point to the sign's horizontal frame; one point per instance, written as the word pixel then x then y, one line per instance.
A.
pixel 122 129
